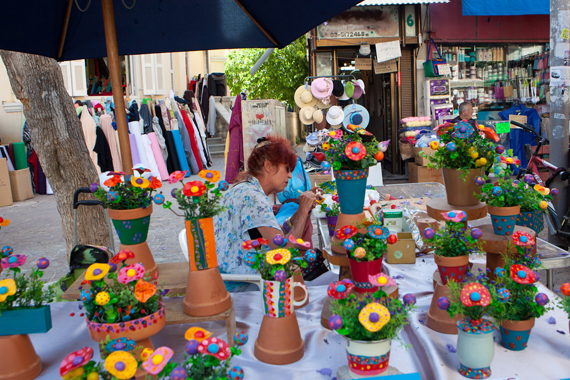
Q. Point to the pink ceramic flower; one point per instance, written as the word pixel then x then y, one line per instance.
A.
pixel 510 160
pixel 75 360
pixel 299 243
pixel 336 134
pixel 523 239
pixel 131 273
pixel 455 216
pixel 215 347
pixel 13 261
pixel 158 360
pixel 177 176
pixel 381 280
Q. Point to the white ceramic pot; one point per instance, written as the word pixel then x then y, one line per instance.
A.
pixel 366 359
pixel 475 352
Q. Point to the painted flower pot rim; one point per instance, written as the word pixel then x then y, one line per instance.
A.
pixel 523 325
pixel 455 261
pixel 503 211
pixel 162 307
pixel 365 341
pixel 365 261
pixel 135 213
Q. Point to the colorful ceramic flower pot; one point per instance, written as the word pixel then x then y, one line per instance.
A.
pixel 351 188
pixel 533 220
pixel 451 268
pixel 366 359
pixel 331 223
pixel 277 297
pixel 201 244
pixel 132 229
pixel 475 348
pixel 515 334
pixel 19 358
pixel 504 219
pixel 25 321
pixel 360 270
pixel 460 190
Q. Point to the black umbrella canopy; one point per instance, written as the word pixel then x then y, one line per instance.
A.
pixel 158 26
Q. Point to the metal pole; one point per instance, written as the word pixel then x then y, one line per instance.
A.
pixel 559 102
pixel 117 84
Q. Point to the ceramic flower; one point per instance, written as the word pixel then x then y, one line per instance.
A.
pixel 523 239
pixel 113 181
pixel 210 175
pixel 42 263
pixel 377 231
pixel 475 294
pixel 450 146
pixel 392 239
pixel 541 299
pixel 335 197
pixel 122 255
pixel 355 151
pixel 4 222
pixel 256 243
pixel 434 145
pixel 409 299
pixel 326 146
pixel 223 185
pixel 120 344
pixel 522 274
pixel 565 289
pixel 455 216
pixel 194 189
pixel 476 233
pixel 7 288
pixel 335 322
pixel 310 255
pixel 509 160
pixel 145 353
pixel 480 181
pixel 249 259
pixel 374 316
pixel 241 338
pixel 75 360
pixel 500 272
pixel 348 244
pixel 178 373
pixel 429 233
pixel 113 196
pixel 339 289
pixel 155 183
pixel 131 273
pixel 102 298
pixel 346 232
pixel 359 253
pixel 462 129
pixel 140 182
pixel 215 347
pixel 543 205
pixel 336 134
pixel 7 250
pixel 299 243
pixel 13 261
pixel 443 303
pixel 141 170
pixel 542 190
pixel 121 364
pixel 144 290
pixel 497 191
pixel 504 295
pixel 158 199
pixel 177 176
pixel 381 280
pixel 278 256
pixel 86 295
pixel 96 271
pixel 554 191
pixel 499 149
pixel 158 360
pixel 197 333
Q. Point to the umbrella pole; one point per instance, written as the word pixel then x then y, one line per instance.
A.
pixel 117 84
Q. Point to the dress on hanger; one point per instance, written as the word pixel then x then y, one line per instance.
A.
pixel 104 157
pixel 88 125
pixel 110 134
pixel 235 160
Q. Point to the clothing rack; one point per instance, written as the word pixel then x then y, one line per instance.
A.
pixel 346 76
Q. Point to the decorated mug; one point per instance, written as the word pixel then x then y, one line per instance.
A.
pixel 277 297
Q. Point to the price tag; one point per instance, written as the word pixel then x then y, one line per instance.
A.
pixel 443 69
pixel 565 34
pixel 504 127
pixel 363 64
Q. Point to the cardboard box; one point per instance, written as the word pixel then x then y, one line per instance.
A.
pixel 5 188
pixel 419 173
pixel 21 184
pixel 422 161
pixel 403 251
pixel 317 179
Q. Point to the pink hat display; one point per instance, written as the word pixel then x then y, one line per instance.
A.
pixel 357 90
pixel 322 88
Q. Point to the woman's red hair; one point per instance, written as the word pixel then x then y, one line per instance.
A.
pixel 276 149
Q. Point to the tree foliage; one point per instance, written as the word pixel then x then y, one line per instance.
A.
pixel 279 76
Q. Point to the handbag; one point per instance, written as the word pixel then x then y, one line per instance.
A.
pixel 430 66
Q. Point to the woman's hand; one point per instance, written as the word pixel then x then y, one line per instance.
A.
pixel 307 201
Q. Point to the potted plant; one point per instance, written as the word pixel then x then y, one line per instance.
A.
pixel 368 325
pixel 78 365
pixel 463 154
pixel 279 340
pixel 564 302
pixel 534 205
pixel 521 303
pixel 200 202
pixel 452 245
pixel 120 302
pixel 474 300
pixel 365 253
pixel 129 203
pixel 331 211
pixel 24 310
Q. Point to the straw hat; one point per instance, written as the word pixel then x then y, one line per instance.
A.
pixel 318 116
pixel 322 88
pixel 306 115
pixel 357 115
pixel 335 116
pixel 304 97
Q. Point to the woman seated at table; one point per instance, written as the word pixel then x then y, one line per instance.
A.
pixel 248 210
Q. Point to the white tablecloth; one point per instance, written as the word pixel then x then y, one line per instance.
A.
pixel 547 356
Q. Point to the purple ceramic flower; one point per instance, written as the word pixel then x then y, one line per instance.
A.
pixel 480 181
pixel 499 149
pixel 443 303
pixel 554 192
pixel 43 263
pixel 476 233
pixel 335 322
pixel 528 178
pixel 409 299
pixel 429 233
pixel 541 299
pixel 192 347
pixel 278 240
pixel 280 276
pixel 93 187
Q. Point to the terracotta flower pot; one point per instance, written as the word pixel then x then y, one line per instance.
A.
pixel 451 268
pixel 504 219
pixel 206 294
pixel 132 229
pixel 19 358
pixel 344 220
pixel 331 223
pixel 360 271
pixel 533 220
pixel 351 188
pixel 515 334
pixel 460 192
pixel 475 348
pixel 366 359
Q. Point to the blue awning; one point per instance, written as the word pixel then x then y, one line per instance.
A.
pixel 505 7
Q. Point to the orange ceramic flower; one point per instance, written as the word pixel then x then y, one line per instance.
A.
pixel 210 175
pixel 194 189
pixel 197 333
pixel 510 160
pixel 4 222
pixel 113 181
pixel 144 290
pixel 542 190
pixel 155 183
pixel 565 289
pixel 122 256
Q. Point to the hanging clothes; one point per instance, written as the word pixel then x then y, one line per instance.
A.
pixel 172 163
pixel 104 157
pixel 157 152
pixel 191 138
pixel 110 134
pixel 212 115
pixel 133 111
pixel 187 144
pixel 160 138
pixel 147 118
pixel 88 125
pixel 518 137
pixel 145 152
pixel 235 161
pixel 205 104
pixel 197 139
pixel 38 173
pixel 202 128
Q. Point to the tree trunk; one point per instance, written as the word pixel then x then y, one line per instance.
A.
pixel 58 140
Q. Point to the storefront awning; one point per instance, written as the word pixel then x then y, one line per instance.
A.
pixel 505 7
pixel 397 2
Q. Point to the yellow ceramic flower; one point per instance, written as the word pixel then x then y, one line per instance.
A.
pixel 210 175
pixel 374 316
pixel 541 189
pixel 75 374
pixel 140 182
pixel 7 288
pixel 96 271
pixel 121 364
pixel 146 353
pixel 197 333
pixel 102 298
pixel 278 256
pixel 326 146
pixel 543 205
pixel 434 145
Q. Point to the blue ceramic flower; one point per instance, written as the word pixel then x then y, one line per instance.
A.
pixel 462 129
pixel 378 232
pixel 348 244
pixel 120 344
pixel 249 259
pixel 451 146
pixel 86 295
pixel 311 255
pixel 504 295
pixel 223 185
pixel 497 190
pixel 500 272
pixel 7 250
pixel 158 199
pixel 241 338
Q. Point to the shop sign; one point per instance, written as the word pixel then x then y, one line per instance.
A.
pixel 385 67
pixel 362 22
pixel 410 20
pixel 363 64
pixel 386 51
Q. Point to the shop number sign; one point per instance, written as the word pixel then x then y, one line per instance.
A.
pixel 352 34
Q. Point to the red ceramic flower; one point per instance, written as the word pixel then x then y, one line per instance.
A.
pixel 355 151
pixel 194 189
pixel 346 232
pixel 76 359
pixel 335 197
pixel 522 274
pixel 113 181
pixel 13 261
pixel 122 256
pixel 523 239
pixel 115 173
pixel 475 294
pixel 510 160
pixel 155 183
pixel 142 170
pixel 340 289
pixel 256 243
pixel 215 347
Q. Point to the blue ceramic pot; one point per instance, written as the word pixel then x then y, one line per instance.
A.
pixel 515 334
pixel 533 220
pixel 504 219
pixel 25 321
pixel 351 188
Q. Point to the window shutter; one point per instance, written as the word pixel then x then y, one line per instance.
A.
pixel 66 74
pixel 160 78
pixel 149 87
pixel 78 78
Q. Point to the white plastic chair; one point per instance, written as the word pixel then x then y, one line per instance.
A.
pixel 251 278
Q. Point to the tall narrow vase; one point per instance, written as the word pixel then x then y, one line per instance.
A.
pixel 331 224
pixel 475 348
pixel 206 294
pixel 132 229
